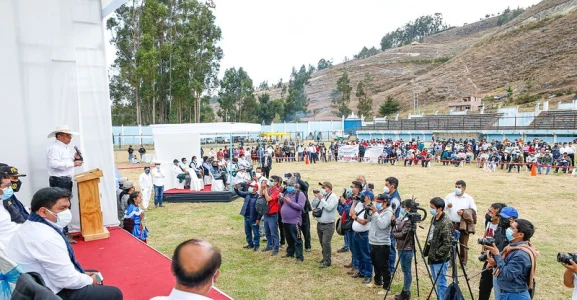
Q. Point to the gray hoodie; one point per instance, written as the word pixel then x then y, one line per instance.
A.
pixel 380 230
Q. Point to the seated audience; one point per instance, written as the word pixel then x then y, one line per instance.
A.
pixel 15 208
pixel 196 266
pixel 40 246
pixel 181 174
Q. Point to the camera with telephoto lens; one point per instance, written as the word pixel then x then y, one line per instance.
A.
pixel 486 241
pixel 564 258
pixel 316 191
pixel 482 257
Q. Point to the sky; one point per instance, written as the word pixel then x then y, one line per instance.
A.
pixel 270 37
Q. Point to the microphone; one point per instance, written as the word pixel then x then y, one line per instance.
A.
pixel 79 154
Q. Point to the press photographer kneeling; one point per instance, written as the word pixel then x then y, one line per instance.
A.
pixel 514 268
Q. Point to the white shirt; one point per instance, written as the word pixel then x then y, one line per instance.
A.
pixel 37 247
pixel 157 177
pixel 7 227
pixel 570 149
pixel 244 163
pixel 463 202
pixel 60 160
pixel 145 181
pixel 181 295
pixel 574 288
pixel 241 177
pixel 358 227
pixel 176 170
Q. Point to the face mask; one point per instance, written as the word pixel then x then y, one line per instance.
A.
pixel 290 189
pixel 403 213
pixel 16 185
pixel 158 167
pixel 509 234
pixel 7 192
pixel 504 223
pixel 433 212
pixel 271 183
pixel 250 190
pixel 386 190
pixel 458 191
pixel 63 218
pixel 324 192
pixel 147 171
pixel 350 191
pixel 488 218
pixel 258 175
pixel 379 206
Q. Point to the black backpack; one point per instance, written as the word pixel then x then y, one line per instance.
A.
pixel 262 206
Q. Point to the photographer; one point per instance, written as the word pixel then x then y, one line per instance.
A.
pixel 405 246
pixel 380 242
pixel 306 220
pixel 391 186
pixel 515 267
pixel 326 201
pixel 570 277
pixel 491 228
pixel 438 245
pixel 361 226
pixel 356 189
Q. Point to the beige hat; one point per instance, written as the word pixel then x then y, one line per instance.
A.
pixel 127 185
pixel 63 129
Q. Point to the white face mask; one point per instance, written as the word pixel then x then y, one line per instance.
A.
pixel 258 175
pixel 63 218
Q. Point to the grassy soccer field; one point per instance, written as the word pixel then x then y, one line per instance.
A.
pixel 547 201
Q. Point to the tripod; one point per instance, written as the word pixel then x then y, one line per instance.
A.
pixel 411 235
pixel 453 259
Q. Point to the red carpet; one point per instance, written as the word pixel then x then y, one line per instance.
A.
pixel 206 189
pixel 125 262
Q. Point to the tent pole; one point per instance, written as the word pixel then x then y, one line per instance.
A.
pixel 230 154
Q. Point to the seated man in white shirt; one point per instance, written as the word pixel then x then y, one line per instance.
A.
pixel 196 266
pixel 181 174
pixel 40 246
pixel 242 178
pixel 244 163
pixel 7 227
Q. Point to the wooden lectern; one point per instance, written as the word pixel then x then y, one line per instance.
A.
pixel 90 211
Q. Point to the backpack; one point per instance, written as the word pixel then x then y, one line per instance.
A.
pixel 262 206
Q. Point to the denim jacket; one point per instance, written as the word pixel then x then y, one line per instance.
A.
pixel 249 206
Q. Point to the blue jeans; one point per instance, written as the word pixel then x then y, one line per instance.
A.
pixel 496 289
pixel 158 192
pixel 515 296
pixel 350 236
pixel 442 281
pixel 347 242
pixel 547 169
pixel 252 233
pixel 406 257
pixel 393 255
pixel 271 231
pixel 362 253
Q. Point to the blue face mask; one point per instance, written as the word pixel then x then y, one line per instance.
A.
pixel 271 183
pixel 458 191
pixel 509 234
pixel 324 192
pixel 7 192
pixel 433 212
pixel 147 171
pixel 290 189
pixel 350 191
pixel 403 213
pixel 250 189
pixel 379 206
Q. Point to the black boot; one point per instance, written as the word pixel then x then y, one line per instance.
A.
pixel 404 295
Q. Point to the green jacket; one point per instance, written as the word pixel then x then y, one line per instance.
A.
pixel 546 160
pixel 440 244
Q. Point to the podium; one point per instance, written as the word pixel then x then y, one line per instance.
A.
pixel 90 210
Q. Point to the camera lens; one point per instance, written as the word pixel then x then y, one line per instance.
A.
pixel 482 257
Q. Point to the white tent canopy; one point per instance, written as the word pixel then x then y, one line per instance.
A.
pixel 175 141
pixel 54 72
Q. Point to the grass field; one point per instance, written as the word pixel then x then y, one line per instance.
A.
pixel 547 201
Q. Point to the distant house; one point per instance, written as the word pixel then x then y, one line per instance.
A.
pixel 467 103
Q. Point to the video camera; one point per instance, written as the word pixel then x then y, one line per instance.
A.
pixel 489 241
pixel 564 258
pixel 415 217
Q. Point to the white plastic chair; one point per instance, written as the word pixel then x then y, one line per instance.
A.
pixel 196 184
pixel 207 179
pixel 179 185
pixel 217 185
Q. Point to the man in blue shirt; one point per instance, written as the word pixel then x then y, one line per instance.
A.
pixel 515 267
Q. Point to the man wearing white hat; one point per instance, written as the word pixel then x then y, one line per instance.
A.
pixel 61 161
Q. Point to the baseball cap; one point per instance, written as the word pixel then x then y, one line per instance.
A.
pixel 127 185
pixel 326 184
pixel 368 194
pixel 509 212
pixel 175 161
pixel 10 171
pixel 382 198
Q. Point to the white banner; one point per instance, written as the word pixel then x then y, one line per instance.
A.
pixel 372 154
pixel 348 153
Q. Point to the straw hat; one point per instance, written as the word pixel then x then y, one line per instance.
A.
pixel 63 129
